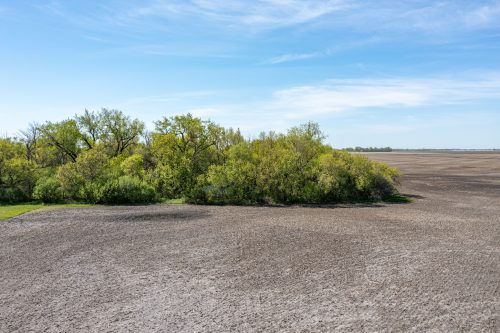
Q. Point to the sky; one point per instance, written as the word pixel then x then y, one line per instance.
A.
pixel 405 74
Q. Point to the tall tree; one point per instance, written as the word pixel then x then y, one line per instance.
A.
pixel 30 137
pixel 121 131
pixel 91 127
pixel 64 136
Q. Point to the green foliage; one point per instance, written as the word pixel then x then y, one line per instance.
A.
pixel 165 180
pixel 48 190
pixel 127 190
pixel 83 179
pixel 133 166
pixel 98 157
pixel 64 138
pixel 294 168
pixel 189 146
pixel 346 177
pixel 233 182
pixel 18 180
pixel 120 132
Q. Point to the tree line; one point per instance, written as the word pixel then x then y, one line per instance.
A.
pixel 108 157
pixel 369 149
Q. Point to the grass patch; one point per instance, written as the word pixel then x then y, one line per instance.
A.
pixel 8 211
pixel 178 201
pixel 398 198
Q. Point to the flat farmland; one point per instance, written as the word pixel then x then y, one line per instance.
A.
pixel 431 265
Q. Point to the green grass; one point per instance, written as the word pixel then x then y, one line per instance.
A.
pixel 178 201
pixel 8 211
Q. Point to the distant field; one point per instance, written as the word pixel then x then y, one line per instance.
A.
pixel 431 265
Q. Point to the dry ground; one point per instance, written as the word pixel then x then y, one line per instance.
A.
pixel 433 265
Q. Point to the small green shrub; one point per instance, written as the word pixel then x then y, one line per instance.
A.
pixel 165 180
pixel 91 192
pixel 17 180
pixel 48 190
pixel 133 166
pixel 234 182
pixel 11 195
pixel 127 189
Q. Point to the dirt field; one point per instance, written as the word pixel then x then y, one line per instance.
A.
pixel 433 265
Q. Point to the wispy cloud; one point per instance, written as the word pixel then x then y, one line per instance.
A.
pixel 340 97
pixel 292 57
pixel 427 16
pixel 323 53
pixel 258 14
pixel 431 17
pixel 444 16
pixel 137 22
pixel 484 15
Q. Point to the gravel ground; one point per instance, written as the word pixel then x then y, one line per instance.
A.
pixel 433 265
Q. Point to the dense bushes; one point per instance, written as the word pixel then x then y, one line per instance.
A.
pixel 99 158
pixel 294 168
pixel 48 190
pixel 127 189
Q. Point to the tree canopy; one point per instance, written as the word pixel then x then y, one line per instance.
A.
pixel 107 157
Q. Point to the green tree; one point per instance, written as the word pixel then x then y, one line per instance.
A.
pixel 91 127
pixel 120 132
pixel 19 179
pixel 189 145
pixel 64 136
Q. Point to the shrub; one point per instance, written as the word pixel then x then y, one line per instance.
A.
pixel 18 180
pixel 234 182
pixel 84 179
pixel 125 190
pixel 11 195
pixel 133 166
pixel 91 192
pixel 48 190
pixel 294 168
pixel 346 177
pixel 165 180
pixel 70 179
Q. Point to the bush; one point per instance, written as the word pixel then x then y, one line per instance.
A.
pixel 11 195
pixel 90 192
pixel 125 190
pixel 133 166
pixel 346 177
pixel 48 190
pixel 165 181
pixel 294 168
pixel 234 183
pixel 17 181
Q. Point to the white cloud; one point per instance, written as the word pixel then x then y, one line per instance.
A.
pixel 300 102
pixel 343 95
pixel 339 47
pixel 292 57
pixel 484 15
pixel 286 107
pixel 388 18
pixel 428 16
pixel 258 14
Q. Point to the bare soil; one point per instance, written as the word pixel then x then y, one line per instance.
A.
pixel 432 265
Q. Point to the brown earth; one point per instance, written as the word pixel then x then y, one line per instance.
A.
pixel 432 265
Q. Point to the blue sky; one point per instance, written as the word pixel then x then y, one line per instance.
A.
pixel 406 74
